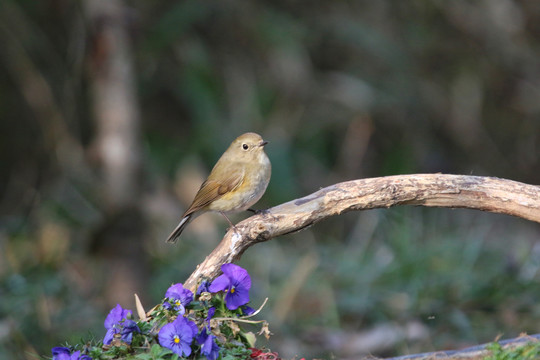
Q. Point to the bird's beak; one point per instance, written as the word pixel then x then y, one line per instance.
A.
pixel 262 143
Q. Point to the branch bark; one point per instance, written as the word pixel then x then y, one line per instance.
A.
pixel 478 352
pixel 433 190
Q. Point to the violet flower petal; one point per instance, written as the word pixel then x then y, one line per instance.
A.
pixel 60 353
pixel 177 336
pixel 178 292
pixel 116 315
pixel 237 274
pixel 236 298
pixel 221 283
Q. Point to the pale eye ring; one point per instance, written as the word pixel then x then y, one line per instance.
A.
pixel 245 146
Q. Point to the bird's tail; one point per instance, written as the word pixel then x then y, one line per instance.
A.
pixel 176 232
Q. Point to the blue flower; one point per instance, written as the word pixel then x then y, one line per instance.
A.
pixel 178 335
pixel 209 348
pixel 116 315
pixel 129 327
pixel 203 287
pixel 236 281
pixel 117 322
pixel 77 356
pixel 180 297
pixel 247 310
pixel 211 313
pixel 63 353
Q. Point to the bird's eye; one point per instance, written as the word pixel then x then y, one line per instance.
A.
pixel 245 146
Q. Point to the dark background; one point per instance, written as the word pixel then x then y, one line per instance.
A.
pixel 112 113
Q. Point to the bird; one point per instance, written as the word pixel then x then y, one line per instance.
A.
pixel 237 181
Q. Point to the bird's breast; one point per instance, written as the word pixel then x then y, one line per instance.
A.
pixel 251 189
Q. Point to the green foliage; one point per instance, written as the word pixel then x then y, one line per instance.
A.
pixel 529 351
pixel 234 353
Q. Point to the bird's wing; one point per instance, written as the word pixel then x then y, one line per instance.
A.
pixel 212 190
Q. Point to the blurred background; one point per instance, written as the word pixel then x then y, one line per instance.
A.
pixel 113 112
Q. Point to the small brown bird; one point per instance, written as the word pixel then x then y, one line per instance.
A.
pixel 237 181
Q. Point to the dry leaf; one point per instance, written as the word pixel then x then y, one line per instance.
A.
pixel 140 309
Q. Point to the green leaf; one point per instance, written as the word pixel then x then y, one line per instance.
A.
pixel 233 353
pixel 251 339
pixel 158 351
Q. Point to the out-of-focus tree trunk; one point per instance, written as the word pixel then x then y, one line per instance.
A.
pixel 115 105
pixel 117 144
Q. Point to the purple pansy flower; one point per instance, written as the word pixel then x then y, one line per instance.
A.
pixel 247 310
pixel 203 287
pixel 178 335
pixel 63 353
pixel 129 327
pixel 209 348
pixel 211 313
pixel 236 281
pixel 181 298
pixel 118 323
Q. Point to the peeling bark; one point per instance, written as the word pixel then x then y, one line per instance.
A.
pixel 433 190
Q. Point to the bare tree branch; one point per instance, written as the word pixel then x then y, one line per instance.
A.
pixel 478 352
pixel 434 190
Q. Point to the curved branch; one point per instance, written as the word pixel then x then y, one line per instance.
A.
pixel 434 190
